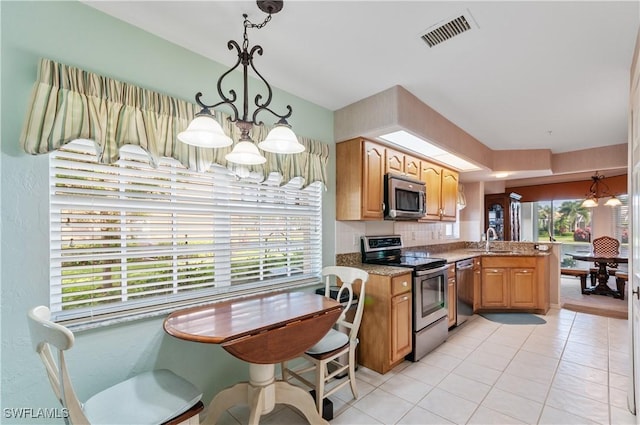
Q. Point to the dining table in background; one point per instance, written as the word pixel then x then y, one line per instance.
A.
pixel 602 276
pixel 262 330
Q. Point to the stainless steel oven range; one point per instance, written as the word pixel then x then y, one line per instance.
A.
pixel 430 327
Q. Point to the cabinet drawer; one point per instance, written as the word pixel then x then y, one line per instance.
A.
pixel 400 284
pixel 508 262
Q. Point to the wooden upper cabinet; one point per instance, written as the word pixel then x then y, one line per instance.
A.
pixel 403 164
pixel 372 181
pixel 360 168
pixel 412 167
pixel 442 192
pixel 449 195
pixel 431 175
pixel 395 161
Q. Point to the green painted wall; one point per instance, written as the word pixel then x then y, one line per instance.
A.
pixel 78 35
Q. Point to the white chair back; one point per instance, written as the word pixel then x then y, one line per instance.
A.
pixel 348 277
pixel 44 335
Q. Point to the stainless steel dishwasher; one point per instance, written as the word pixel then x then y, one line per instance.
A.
pixel 464 293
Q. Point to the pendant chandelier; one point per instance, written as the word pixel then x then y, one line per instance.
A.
pixel 599 189
pixel 205 131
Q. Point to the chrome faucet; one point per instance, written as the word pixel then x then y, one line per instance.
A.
pixel 489 231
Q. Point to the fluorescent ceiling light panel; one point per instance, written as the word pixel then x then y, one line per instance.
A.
pixel 420 146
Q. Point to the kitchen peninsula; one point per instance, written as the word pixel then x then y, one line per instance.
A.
pixel 510 277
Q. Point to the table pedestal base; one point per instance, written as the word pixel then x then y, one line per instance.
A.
pixel 262 393
pixel 602 288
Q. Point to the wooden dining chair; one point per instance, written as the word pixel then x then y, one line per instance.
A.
pixel 155 397
pixel 335 345
pixel 605 246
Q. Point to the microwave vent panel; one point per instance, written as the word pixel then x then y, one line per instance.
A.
pixel 444 30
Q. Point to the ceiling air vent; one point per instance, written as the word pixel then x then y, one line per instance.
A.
pixel 449 29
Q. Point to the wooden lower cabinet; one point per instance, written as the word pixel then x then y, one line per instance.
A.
pixel 452 296
pixel 514 283
pixel 385 331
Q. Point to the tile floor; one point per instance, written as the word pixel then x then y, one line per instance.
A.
pixel 572 370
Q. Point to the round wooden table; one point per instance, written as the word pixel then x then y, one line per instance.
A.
pixel 602 288
pixel 262 330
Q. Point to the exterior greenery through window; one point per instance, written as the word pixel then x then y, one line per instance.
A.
pixel 129 238
pixel 566 221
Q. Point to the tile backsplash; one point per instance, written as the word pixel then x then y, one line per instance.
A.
pixel 348 233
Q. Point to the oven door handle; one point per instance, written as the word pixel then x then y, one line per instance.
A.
pixel 432 271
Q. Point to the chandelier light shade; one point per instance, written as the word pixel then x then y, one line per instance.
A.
pixel 245 152
pixel 599 189
pixel 281 139
pixel 203 133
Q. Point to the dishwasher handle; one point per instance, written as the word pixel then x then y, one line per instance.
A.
pixel 464 265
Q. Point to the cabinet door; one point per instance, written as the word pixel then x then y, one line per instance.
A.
pixel 395 162
pixel 431 175
pixel 494 287
pixel 449 196
pixel 400 326
pixel 523 288
pixel 412 167
pixel 372 180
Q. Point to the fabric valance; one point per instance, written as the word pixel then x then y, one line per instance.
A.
pixel 69 103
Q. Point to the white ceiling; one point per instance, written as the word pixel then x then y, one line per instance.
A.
pixel 530 75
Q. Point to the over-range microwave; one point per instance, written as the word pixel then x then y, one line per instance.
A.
pixel 404 197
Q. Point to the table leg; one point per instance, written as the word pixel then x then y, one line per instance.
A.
pixel 603 277
pixel 262 393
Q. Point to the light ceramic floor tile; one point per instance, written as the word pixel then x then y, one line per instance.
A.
pixel 420 416
pixel 552 347
pixel 488 416
pixel 599 350
pixel 523 387
pixel 383 406
pixel 527 358
pixel 443 361
pixel 622 416
pixel 372 377
pixel 449 406
pixel 354 416
pixel 455 350
pixel 579 405
pixel 618 381
pixel 426 373
pixel 553 416
pixel 488 360
pixel 587 373
pixel 581 387
pixel 618 398
pixel 407 388
pixel 463 387
pixel 493 348
pixel 479 373
pixel 543 375
pixel 345 394
pixel 574 369
pixel 513 405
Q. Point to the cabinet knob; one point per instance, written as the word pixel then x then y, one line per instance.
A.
pixel 405 284
pixel 405 298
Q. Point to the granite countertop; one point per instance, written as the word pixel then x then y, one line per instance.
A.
pixel 457 253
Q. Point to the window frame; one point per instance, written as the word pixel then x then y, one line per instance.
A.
pixel 300 209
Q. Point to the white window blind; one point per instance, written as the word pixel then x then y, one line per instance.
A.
pixel 129 237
